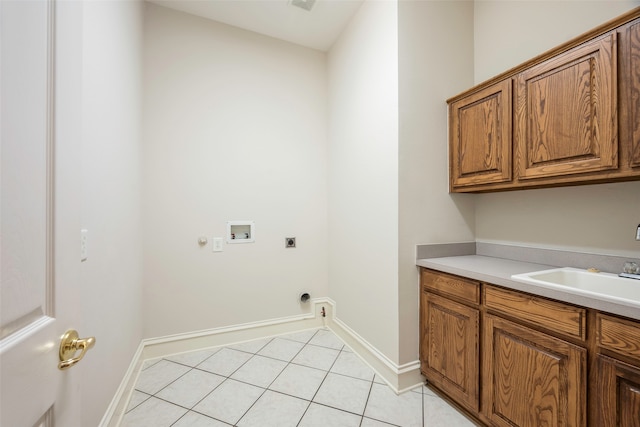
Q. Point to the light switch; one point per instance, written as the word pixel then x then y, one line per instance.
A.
pixel 84 240
pixel 217 244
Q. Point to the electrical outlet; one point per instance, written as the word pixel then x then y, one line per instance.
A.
pixel 289 242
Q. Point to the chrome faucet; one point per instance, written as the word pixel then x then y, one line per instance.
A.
pixel 630 270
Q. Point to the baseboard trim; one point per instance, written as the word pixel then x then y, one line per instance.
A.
pixel 152 348
pixel 180 343
pixel 116 408
pixel 400 378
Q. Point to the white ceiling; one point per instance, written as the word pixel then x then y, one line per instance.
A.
pixel 317 29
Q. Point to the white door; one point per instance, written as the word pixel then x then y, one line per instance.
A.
pixel 40 73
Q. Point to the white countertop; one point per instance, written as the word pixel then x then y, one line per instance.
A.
pixel 498 271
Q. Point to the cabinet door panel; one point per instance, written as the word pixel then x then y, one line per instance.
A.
pixel 532 379
pixel 634 92
pixel 450 348
pixel 566 113
pixel 617 394
pixel 480 136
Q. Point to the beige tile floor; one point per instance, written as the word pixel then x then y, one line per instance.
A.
pixel 306 379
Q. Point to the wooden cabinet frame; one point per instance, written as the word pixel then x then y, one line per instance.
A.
pixel 633 92
pixel 511 358
pixel 573 117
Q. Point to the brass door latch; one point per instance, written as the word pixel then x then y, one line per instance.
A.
pixel 70 345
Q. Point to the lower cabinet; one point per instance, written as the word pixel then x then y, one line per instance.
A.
pixel 513 359
pixel 449 347
pixel 532 379
pixel 618 391
pixel 617 384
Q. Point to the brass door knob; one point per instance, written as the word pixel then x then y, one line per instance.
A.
pixel 70 345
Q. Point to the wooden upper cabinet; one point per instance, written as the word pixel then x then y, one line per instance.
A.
pixel 633 93
pixel 566 113
pixel 566 117
pixel 480 137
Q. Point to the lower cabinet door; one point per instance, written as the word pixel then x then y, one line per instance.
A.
pixel 449 348
pixel 531 379
pixel 618 394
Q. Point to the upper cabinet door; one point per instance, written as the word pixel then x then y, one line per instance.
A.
pixel 634 93
pixel 480 137
pixel 566 113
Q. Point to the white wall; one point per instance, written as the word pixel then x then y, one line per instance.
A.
pixel 111 277
pixel 363 175
pixel 432 68
pixel 594 218
pixel 235 126
pixel 508 33
pixel 234 129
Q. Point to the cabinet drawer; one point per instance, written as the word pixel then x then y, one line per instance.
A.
pixel 552 315
pixel 454 286
pixel 619 335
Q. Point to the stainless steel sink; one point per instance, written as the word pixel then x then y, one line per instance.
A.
pixel 606 286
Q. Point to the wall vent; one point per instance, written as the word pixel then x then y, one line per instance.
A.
pixel 303 4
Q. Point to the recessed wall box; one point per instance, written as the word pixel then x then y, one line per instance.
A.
pixel 240 232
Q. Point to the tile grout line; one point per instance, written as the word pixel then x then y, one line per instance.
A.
pixel 155 394
pixel 148 396
pixel 151 365
pixel 327 372
pixel 237 380
pixel 422 401
pixel 229 378
pixel 314 395
pixel 367 401
pixel 375 419
pixel 323 379
pixel 216 387
pixel 326 375
pixel 269 385
pixel 343 349
pixel 205 396
pixel 191 368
